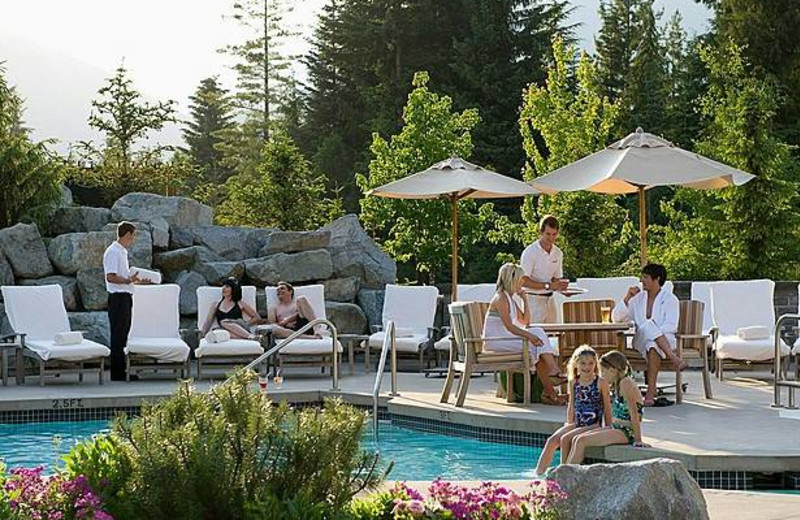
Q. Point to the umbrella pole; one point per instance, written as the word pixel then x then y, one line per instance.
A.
pixel 642 226
pixel 454 266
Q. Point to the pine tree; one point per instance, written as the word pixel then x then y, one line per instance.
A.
pixel 211 114
pixel 616 44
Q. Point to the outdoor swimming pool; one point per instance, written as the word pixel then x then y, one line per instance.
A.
pixel 416 455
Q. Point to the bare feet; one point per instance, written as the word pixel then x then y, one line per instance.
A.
pixel 681 365
pixel 649 401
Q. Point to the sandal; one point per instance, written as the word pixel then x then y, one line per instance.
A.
pixel 558 379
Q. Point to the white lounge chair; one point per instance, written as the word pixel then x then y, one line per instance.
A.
pixel 413 310
pixel 739 304
pixel 613 288
pixel 154 341
pixel 227 353
pixel 307 352
pixel 37 314
pixel 796 346
pixel 482 292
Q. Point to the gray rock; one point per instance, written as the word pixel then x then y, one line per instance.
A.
pixel 6 273
pixel 92 287
pixel 354 253
pixel 25 251
pixel 78 219
pixel 656 488
pixel 69 287
pixel 159 230
pixel 186 259
pixel 232 243
pixel 189 281
pixel 294 241
pixel 371 302
pixel 74 251
pixel 217 272
pixel 66 196
pixel 176 211
pixel 347 317
pixel 342 289
pixel 180 238
pixel 93 324
pixel 294 267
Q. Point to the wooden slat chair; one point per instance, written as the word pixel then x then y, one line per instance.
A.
pixel 467 354
pixel 586 311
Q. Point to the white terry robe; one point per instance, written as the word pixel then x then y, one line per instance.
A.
pixel 663 320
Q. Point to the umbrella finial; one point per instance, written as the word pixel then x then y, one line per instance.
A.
pixel 639 130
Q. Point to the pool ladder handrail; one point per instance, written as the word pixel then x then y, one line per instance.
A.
pixel 388 343
pixel 778 380
pixel 302 330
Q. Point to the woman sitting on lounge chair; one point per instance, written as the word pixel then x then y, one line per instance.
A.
pixel 230 312
pixel 290 314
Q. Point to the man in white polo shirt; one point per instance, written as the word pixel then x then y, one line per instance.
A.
pixel 542 262
pixel 119 284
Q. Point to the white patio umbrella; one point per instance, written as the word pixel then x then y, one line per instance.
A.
pixel 637 163
pixel 454 179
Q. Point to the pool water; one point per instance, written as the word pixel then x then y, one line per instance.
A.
pixel 416 455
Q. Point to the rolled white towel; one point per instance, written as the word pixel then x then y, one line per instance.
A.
pixel 218 336
pixel 146 275
pixel 754 332
pixel 63 339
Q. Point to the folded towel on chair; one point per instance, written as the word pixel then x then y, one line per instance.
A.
pixel 68 338
pixel 754 332
pixel 218 336
pixel 146 275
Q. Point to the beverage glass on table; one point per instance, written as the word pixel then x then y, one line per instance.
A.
pixel 262 383
pixel 605 314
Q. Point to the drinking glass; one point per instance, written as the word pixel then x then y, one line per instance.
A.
pixel 263 381
pixel 605 314
pixel 278 380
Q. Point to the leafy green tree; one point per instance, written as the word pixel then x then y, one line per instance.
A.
pixel 747 231
pixel 284 192
pixel 30 174
pixel 211 114
pixel 413 231
pixel 561 122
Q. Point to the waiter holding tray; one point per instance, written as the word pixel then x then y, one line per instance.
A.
pixel 542 262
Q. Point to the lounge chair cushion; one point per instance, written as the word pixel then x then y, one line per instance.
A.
pixel 403 332
pixel 311 346
pixel 402 344
pixel 168 350
pixel 68 338
pixel 754 332
pixel 796 348
pixel 48 350
pixel 232 347
pixel 443 344
pixel 733 347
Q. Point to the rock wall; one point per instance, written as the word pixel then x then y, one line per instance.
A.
pixel 176 237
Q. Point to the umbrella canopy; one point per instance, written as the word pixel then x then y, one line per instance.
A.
pixel 636 163
pixel 454 179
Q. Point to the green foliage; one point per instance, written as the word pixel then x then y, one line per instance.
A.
pixel 284 192
pixel 211 112
pixel 30 174
pixel 747 231
pixel 420 232
pixel 561 122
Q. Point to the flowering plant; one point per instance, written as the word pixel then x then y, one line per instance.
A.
pixel 488 501
pixel 28 494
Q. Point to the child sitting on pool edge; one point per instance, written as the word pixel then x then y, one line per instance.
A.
pixel 626 410
pixel 589 404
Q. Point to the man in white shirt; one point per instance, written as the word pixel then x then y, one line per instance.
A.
pixel 119 284
pixel 654 311
pixel 542 262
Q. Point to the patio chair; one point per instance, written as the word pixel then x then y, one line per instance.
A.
pixel 413 310
pixel 482 292
pixel 701 292
pixel 796 346
pixel 468 355
pixel 744 304
pixel 154 341
pixel 307 352
pixel 37 315
pixel 227 353
pixel 586 311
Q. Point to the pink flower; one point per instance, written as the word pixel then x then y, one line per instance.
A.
pixel 416 507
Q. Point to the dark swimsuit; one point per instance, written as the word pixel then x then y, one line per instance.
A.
pixel 235 313
pixel 299 323
pixel 588 403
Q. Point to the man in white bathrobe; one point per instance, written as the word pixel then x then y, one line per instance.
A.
pixel 654 311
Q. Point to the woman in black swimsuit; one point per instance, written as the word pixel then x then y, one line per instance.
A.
pixel 230 312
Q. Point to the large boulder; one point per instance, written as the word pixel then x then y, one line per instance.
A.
pixel 176 211
pixel 347 317
pixel 180 238
pixel 69 287
pixel 6 273
pixel 295 241
pixel 25 251
pixel 217 272
pixel 232 243
pixel 157 228
pixel 354 253
pixel 78 219
pixel 342 289
pixel 656 488
pixel 184 258
pixel 189 281
pixel 371 302
pixel 295 267
pixel 94 324
pixel 74 251
pixel 92 287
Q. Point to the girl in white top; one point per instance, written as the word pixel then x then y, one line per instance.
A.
pixel 508 317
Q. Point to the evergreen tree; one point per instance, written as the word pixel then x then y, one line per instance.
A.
pixel 616 44
pixel 685 84
pixel 211 114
